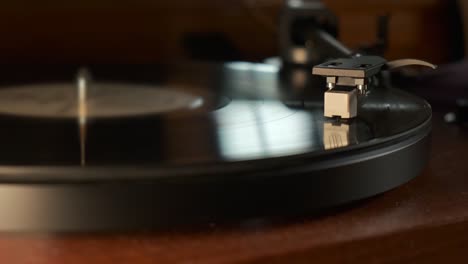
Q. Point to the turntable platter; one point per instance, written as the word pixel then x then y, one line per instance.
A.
pixel 243 141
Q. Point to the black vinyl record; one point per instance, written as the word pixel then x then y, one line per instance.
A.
pixel 145 146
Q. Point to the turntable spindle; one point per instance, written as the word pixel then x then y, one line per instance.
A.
pixel 82 83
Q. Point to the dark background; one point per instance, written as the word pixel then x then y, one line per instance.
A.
pixel 141 31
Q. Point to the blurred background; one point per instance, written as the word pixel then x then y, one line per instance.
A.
pixel 147 31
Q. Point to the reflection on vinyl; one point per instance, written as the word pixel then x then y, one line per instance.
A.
pixel 338 134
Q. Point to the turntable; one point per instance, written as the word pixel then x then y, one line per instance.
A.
pixel 151 146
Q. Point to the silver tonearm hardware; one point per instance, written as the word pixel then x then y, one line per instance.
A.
pixel 350 78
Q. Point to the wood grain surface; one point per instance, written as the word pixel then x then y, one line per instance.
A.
pixel 423 221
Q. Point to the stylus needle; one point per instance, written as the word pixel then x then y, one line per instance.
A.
pixel 82 83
